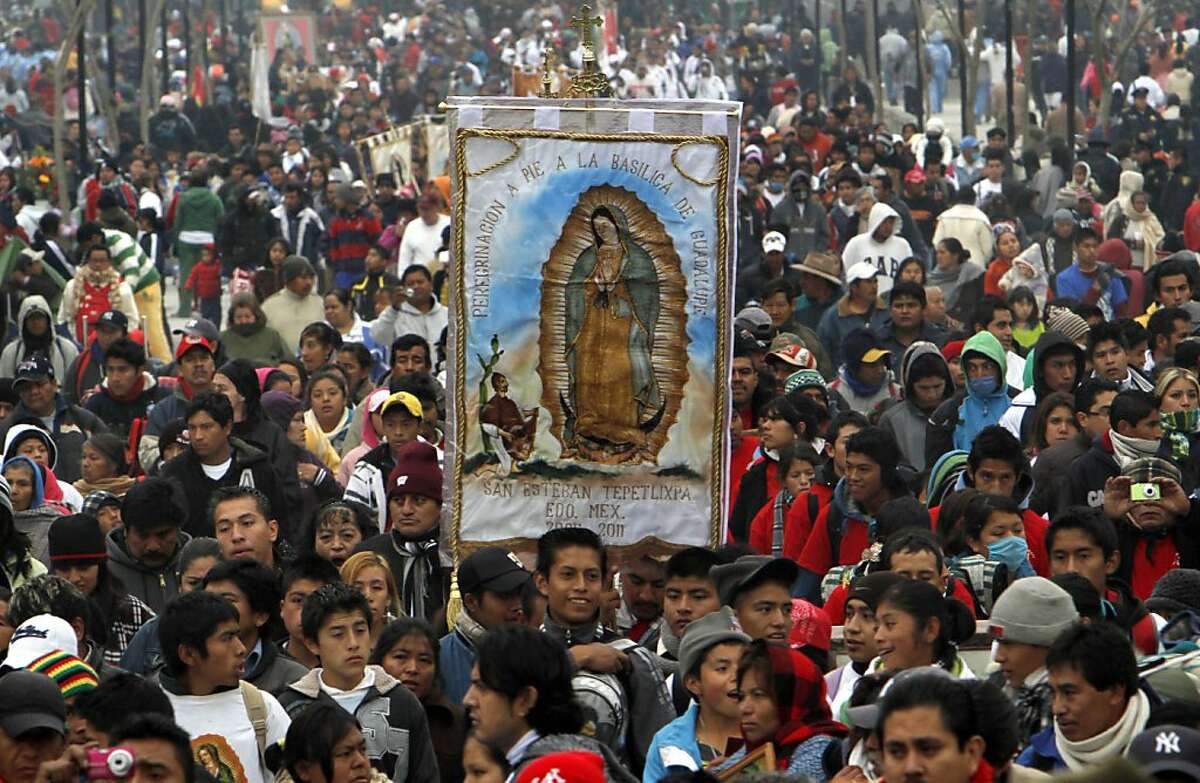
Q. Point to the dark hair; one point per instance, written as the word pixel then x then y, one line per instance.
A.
pixel 118 695
pixel 127 350
pixel 796 450
pixel 1041 416
pixel 328 599
pixel 923 602
pixel 909 289
pixel 189 620
pixel 984 311
pixel 910 541
pixel 411 268
pixel 1187 354
pixel 1131 406
pixel 1170 267
pixel 155 726
pixel 362 356
pixel 198 547
pixel 552 541
pixel 310 567
pixel 244 377
pixel 495 754
pixel 514 657
pixel 1100 652
pixel 404 627
pixel 257 582
pixel 1023 294
pixel 48 594
pixel 948 696
pixel 406 342
pixel 996 442
pixel 878 444
pixel 1090 521
pixel 977 513
pixel 1162 323
pixel 301 372
pixel 847 419
pixel 215 405
pixel 1083 594
pixel 1106 331
pixel 333 376
pixel 780 285
pixel 312 736
pixel 419 384
pixel 1089 389
pixel 221 495
pixel 691 563
pixel 899 514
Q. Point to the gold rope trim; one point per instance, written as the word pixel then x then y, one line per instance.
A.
pixel 675 163
pixel 720 430
pixel 516 152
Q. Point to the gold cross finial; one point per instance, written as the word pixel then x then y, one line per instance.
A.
pixel 584 24
pixel 548 58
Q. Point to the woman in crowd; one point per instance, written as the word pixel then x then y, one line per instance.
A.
pixel 959 278
pixel 1178 393
pixel 26 440
pixel 408 650
pixel 337 528
pixel 325 744
pixel 918 626
pixel 248 336
pixel 32 513
pixel 329 412
pixel 104 467
pixel 483 762
pixel 1008 247
pixel 317 482
pixel 370 573
pixel 269 279
pixel 17 562
pixel 1054 422
pixel 1139 228
pixel 911 269
pixel 78 554
pixel 238 380
pixel 340 314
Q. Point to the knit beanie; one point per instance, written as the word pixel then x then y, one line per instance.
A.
pixel 416 472
pixel 296 266
pixel 803 379
pixel 95 501
pixel 1071 325
pixel 569 766
pixel 72 676
pixel 1176 591
pixel 76 539
pixel 952 350
pixel 1034 611
pixel 281 407
pixel 869 588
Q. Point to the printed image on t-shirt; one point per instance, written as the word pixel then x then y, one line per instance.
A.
pixel 213 753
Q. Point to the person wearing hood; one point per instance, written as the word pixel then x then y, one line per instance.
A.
pixel 864 380
pixel 879 244
pixel 245 230
pixel 1059 366
pixel 1058 246
pixel 1028 271
pixel 68 425
pixel 925 379
pixel 128 391
pixel 969 225
pixel 957 421
pixel 934 138
pixel 859 307
pixel 1135 432
pixel 846 526
pixel 295 306
pixel 806 220
pixel 248 336
pixel 37 335
pixel 198 214
pixel 32 513
pixel 17 561
pixel 144 552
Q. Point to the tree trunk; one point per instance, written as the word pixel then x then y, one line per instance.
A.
pixel 154 11
pixel 77 14
pixel 873 64
pixel 1100 59
pixel 968 57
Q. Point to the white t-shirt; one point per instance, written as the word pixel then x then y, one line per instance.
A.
pixel 222 737
pixel 351 699
pixel 215 472
pixel 421 242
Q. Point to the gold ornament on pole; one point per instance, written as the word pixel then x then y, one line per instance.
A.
pixel 590 82
pixel 548 59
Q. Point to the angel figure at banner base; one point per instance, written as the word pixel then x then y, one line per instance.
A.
pixel 612 303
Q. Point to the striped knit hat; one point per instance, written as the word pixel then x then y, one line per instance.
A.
pixel 803 379
pixel 72 675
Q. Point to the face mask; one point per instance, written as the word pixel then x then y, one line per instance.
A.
pixel 800 194
pixel 1181 421
pixel 982 387
pixel 775 187
pixel 246 330
pixel 1013 551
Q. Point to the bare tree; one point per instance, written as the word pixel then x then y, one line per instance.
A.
pixel 1105 34
pixel 149 76
pixel 968 57
pixel 873 64
pixel 77 15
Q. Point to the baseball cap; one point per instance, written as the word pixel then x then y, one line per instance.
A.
pixel 968 143
pixel 1167 748
pixel 755 321
pixel 34 368
pixel 40 634
pixel 915 176
pixel 774 242
pixel 30 701
pixel 794 355
pixel 862 346
pixel 114 318
pixel 200 327
pixel 863 270
pixel 866 716
pixel 403 399
pixel 491 568
pixel 191 341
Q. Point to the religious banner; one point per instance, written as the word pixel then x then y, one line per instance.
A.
pixel 590 319
pixel 297 32
pixel 392 152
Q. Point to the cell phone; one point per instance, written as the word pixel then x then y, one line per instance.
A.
pixel 1143 491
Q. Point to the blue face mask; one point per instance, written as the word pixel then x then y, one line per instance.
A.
pixel 982 387
pixel 1013 551
pixel 775 187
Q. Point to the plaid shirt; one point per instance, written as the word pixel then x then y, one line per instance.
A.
pixel 131 615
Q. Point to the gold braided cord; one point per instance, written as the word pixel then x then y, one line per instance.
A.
pixel 679 169
pixel 721 369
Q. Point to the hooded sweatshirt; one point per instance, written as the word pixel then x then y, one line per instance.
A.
pixel 155 586
pixel 908 423
pixel 35 521
pixel 57 348
pixel 958 420
pixel 886 255
pixel 1019 418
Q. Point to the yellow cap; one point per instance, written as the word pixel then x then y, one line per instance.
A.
pixel 875 355
pixel 409 402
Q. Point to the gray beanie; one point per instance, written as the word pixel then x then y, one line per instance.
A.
pixel 1034 611
pixel 1176 591
pixel 1064 216
pixel 700 635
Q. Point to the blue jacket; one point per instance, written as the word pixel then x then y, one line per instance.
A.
pixel 679 735
pixel 1042 752
pixel 456 657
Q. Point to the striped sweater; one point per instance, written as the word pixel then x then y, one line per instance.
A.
pixel 350 237
pixel 137 269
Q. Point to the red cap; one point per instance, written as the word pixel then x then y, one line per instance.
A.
pixel 190 341
pixel 810 626
pixel 952 350
pixel 915 176
pixel 571 766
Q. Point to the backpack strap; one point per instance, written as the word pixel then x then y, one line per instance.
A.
pixel 833 527
pixel 256 711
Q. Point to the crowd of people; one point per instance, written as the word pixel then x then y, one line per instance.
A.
pixel 964 447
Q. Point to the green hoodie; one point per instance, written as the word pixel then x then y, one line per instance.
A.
pixel 198 209
pixel 985 343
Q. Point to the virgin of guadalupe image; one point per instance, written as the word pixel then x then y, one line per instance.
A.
pixel 612 305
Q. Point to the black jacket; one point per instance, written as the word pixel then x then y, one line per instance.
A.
pixel 265 435
pixel 274 671
pixel 1086 476
pixel 250 468
pixel 122 414
pixel 752 496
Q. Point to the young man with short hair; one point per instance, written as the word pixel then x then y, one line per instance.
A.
pixel 758 590
pixel 992 314
pixel 1059 366
pixel 251 588
pixel 858 308
pixel 1168 327
pixel 709 653
pixel 1135 431
pixel 401 415
pixel 205 660
pixel 127 392
pixel 414 310
pixel 337 629
pixel 1108 350
pixel 195 363
pixel 858 635
pixel 162 751
pixel 491 581
pixel 301 578
pixel 929 730
pixel 906 323
pixel 1098 703
pixel 244 524
pixel 97 713
pixel 1088 280
pixel 639 618
pixel 1083 541
pixel 689 594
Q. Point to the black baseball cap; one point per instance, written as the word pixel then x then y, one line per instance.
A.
pixel 491 568
pixel 1167 748
pixel 30 701
pixel 201 327
pixel 113 318
pixel 35 368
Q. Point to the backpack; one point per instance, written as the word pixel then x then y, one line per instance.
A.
pixel 256 711
pixel 605 708
pixel 985 578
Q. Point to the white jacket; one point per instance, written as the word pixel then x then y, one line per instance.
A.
pixel 393 323
pixel 968 225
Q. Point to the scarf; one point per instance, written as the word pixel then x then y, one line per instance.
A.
pixel 1109 743
pixel 783 501
pixel 1127 449
pixel 800 699
pixel 1152 232
pixel 468 628
pixel 858 387
pixel 419 568
pixel 316 441
pixel 1179 427
pixel 134 392
pixel 571 636
pixel 1033 706
pixel 85 276
pixel 117 485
